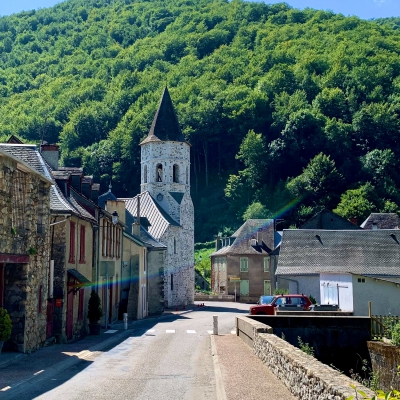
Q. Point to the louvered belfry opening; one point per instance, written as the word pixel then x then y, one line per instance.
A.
pixel 19 202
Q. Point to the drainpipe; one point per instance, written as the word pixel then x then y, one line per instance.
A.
pixel 291 280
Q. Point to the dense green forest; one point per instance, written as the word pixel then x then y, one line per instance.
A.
pixel 287 111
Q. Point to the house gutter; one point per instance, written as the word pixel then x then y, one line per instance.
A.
pixel 291 280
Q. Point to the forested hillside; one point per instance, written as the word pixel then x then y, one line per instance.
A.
pixel 287 111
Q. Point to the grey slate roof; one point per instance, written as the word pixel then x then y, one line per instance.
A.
pixel 58 203
pixel 382 221
pixel 104 197
pixel 157 216
pixel 29 154
pixel 364 252
pixel 263 229
pixel 165 126
pixel 327 219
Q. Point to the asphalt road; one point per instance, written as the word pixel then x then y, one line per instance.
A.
pixel 167 358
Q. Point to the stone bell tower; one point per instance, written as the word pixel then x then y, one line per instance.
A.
pixel 165 175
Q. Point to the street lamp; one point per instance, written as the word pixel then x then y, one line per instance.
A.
pixel 114 219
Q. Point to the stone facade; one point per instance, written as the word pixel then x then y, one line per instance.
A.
pixel 24 236
pixel 165 175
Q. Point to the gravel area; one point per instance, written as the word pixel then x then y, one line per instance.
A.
pixel 244 375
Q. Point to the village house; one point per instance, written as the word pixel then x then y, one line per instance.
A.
pixel 244 264
pixel 346 268
pixel 24 257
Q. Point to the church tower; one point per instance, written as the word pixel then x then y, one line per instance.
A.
pixel 165 175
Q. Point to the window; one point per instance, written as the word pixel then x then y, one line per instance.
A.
pixel 159 173
pixel 145 174
pixel 103 240
pixel 19 201
pixel 174 246
pixel 82 240
pixel 71 242
pixel 81 303
pixel 266 264
pixel 244 264
pixel 40 227
pixel 244 287
pixel 116 289
pixel 175 173
pixel 187 175
pixel 361 280
pixel 172 282
pixel 118 252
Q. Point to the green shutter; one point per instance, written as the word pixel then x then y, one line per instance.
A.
pixel 244 287
pixel 267 287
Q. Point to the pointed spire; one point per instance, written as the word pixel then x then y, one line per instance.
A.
pixel 109 187
pixel 165 126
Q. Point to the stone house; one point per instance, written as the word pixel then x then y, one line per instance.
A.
pixel 347 268
pixel 166 202
pixel 243 264
pixel 327 219
pixel 24 242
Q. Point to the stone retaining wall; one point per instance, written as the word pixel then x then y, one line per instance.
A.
pixel 303 375
pixel 221 297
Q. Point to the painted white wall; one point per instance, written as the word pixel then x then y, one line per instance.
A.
pixel 337 289
pixel 384 296
pixel 307 284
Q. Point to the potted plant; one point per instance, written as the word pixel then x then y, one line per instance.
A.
pixel 5 327
pixel 94 313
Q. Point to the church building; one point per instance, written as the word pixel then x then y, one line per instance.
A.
pixel 165 201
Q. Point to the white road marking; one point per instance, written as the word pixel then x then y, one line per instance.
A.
pixel 150 330
pixel 111 331
pixel 170 331
pixel 5 388
pixel 190 331
pixel 39 372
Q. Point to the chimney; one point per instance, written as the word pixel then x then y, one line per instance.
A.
pixel 374 226
pixel 353 220
pixel 217 242
pixel 136 225
pixel 51 154
pixel 95 192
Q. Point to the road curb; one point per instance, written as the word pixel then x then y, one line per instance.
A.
pixel 219 383
pixel 18 388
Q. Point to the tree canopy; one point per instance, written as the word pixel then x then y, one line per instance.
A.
pixel 281 106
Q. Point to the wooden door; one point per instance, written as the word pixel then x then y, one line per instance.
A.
pixel 110 301
pixel 49 318
pixel 70 314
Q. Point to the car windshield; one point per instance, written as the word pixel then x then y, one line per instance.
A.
pixel 266 299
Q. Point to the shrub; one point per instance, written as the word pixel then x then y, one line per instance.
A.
pixel 5 325
pixel 305 347
pixel 396 335
pixel 94 311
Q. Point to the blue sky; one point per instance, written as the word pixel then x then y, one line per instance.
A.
pixel 362 8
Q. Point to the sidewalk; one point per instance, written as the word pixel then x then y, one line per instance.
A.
pixel 244 376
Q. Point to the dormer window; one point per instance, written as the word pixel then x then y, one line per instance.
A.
pixel 159 173
pixel 175 173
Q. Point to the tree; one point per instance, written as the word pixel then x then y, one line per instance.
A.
pixel 256 211
pixel 356 203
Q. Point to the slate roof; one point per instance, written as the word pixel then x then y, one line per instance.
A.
pixel 156 215
pixel 58 203
pixel 165 126
pixel 29 154
pixel 104 197
pixel 327 219
pixel 382 221
pixel 364 252
pixel 261 229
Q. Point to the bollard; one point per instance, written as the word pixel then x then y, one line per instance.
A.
pixel 215 324
pixel 125 321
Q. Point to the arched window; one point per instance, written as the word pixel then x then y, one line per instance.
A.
pixel 174 246
pixel 175 173
pixel 145 174
pixel 187 175
pixel 159 173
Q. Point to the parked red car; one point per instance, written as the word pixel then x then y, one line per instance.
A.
pixel 267 305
